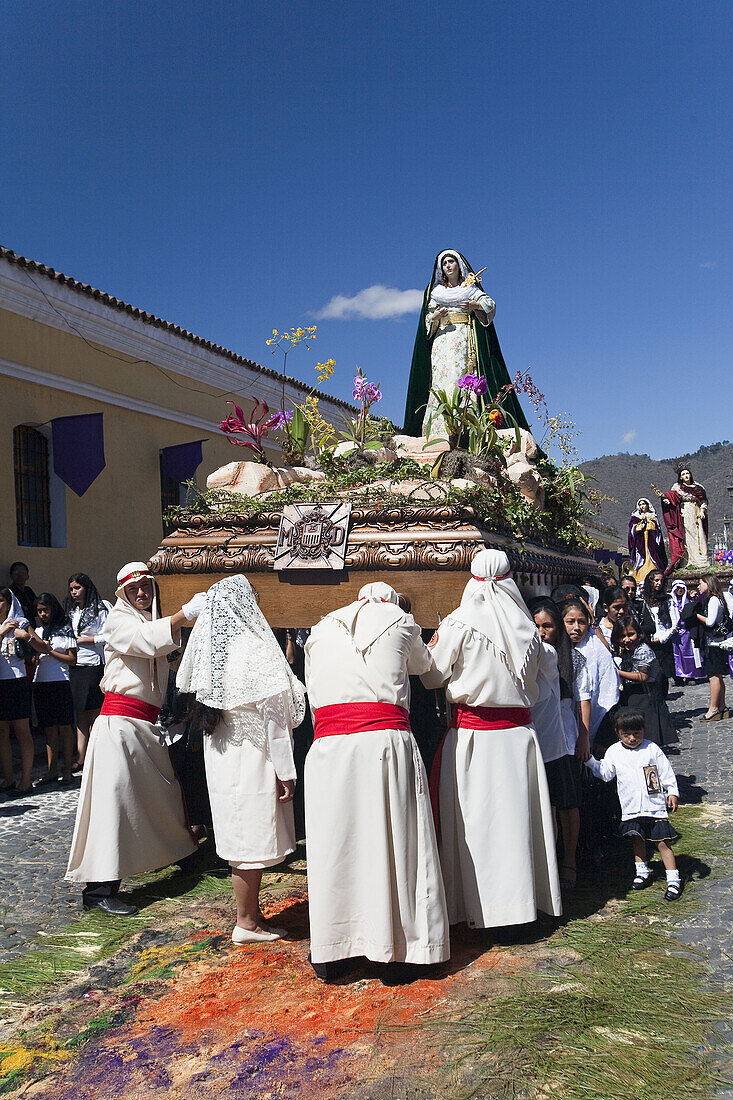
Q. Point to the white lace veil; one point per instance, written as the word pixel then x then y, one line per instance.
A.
pixel 232 657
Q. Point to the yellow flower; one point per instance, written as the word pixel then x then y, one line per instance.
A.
pixel 325 370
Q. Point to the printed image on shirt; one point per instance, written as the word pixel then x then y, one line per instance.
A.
pixel 651 775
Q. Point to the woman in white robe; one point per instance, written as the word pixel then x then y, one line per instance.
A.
pixel 497 840
pixel 450 309
pixel 374 881
pixel 131 816
pixel 249 703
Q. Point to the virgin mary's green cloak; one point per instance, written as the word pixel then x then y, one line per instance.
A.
pixel 491 366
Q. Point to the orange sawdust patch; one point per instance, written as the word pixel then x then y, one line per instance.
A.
pixel 273 989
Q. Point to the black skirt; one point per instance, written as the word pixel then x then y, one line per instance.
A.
pixel 563 779
pixel 85 690
pixel 714 661
pixel 15 699
pixel 652 829
pixel 53 703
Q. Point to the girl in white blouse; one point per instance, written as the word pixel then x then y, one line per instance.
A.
pixel 15 694
pixel 88 614
pixel 56 649
pixel 716 627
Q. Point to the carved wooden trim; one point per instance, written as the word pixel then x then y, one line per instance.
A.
pixel 442 537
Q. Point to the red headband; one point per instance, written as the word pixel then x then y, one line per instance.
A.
pixel 502 577
pixel 136 576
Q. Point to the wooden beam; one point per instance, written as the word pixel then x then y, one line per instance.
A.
pixel 300 599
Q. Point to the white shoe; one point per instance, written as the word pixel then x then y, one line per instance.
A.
pixel 247 935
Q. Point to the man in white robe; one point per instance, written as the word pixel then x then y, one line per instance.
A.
pixel 374 881
pixel 497 841
pixel 131 816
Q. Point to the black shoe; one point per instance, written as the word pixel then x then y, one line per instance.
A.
pixel 332 971
pixel 642 881
pixel 113 906
pixel 673 891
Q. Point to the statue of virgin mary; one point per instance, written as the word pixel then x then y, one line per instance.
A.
pixel 646 545
pixel 455 336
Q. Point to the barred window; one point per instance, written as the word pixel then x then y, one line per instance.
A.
pixel 32 498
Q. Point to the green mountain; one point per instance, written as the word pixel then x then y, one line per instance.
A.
pixel 627 477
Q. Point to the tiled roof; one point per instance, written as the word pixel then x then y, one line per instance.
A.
pixel 151 319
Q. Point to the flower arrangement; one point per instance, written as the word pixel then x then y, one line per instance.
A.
pixel 364 432
pixel 463 418
pixel 255 430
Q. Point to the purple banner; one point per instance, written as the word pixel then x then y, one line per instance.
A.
pixel 181 462
pixel 78 450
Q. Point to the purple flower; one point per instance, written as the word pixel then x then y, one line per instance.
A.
pixel 474 383
pixel 280 419
pixel 366 391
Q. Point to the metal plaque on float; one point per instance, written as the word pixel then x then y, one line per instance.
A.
pixel 313 536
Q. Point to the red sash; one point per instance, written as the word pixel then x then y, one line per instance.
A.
pixel 128 707
pixel 474 718
pixel 358 718
pixel 489 718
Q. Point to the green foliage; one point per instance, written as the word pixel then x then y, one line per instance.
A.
pixel 298 433
pixel 365 434
pixel 501 508
pixel 626 1010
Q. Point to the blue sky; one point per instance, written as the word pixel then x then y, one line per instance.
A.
pixel 234 167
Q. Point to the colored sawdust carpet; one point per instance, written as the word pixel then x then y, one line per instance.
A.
pixel 198 1017
pixel 604 1003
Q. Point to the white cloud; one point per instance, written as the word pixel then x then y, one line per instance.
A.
pixel 708 264
pixel 627 437
pixel 374 303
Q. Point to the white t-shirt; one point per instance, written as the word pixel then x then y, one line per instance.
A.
pixel 12 667
pixel 49 670
pixel 603 679
pixel 90 654
pixel 642 774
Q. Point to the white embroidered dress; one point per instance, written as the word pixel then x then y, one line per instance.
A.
pixel 233 663
pixel 693 514
pixel 448 319
pixel 374 881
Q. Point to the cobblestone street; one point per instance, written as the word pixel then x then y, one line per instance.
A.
pixel 35 833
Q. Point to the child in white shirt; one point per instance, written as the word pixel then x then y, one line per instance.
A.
pixel 647 787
